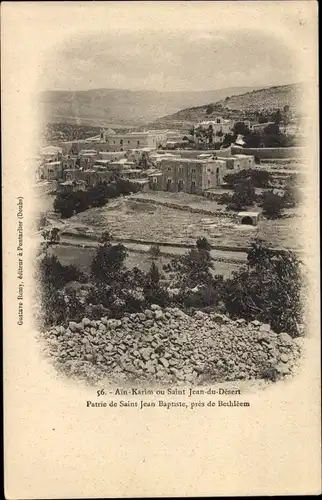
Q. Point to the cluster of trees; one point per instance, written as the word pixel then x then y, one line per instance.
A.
pixel 270 137
pixel 268 288
pixel 77 201
pixel 277 116
pixel 273 204
pixel 244 195
pixel 259 178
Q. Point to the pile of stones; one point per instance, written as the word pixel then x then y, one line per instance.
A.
pixel 169 346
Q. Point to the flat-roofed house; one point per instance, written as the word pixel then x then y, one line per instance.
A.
pixel 51 170
pixel 191 175
pixel 51 153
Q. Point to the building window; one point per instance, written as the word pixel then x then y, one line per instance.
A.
pixel 208 182
pixel 169 169
pixel 208 169
pixel 128 142
pixel 217 171
pixel 138 143
pixel 121 141
pixel 193 183
pixel 193 170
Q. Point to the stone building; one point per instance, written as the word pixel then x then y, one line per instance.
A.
pixel 51 170
pixel 191 175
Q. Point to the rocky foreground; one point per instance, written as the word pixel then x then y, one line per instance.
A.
pixel 169 346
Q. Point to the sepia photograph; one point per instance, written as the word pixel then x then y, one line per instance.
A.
pixel 161 257
pixel 170 177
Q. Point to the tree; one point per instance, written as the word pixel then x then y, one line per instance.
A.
pixel 210 135
pixel 203 244
pixel 106 237
pixel 272 205
pixel 53 272
pixel 153 291
pixel 269 289
pixel 52 306
pixel 277 117
pixel 228 139
pixel 262 118
pixel 244 195
pixel 154 251
pixel 259 178
pixel 192 131
pixel 65 204
pixel 192 269
pixel 200 134
pixel 253 140
pixel 240 128
pixel 55 235
pixel 108 262
pixel 97 196
pixel 209 109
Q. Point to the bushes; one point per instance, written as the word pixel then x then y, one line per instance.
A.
pixel 203 244
pixel 58 305
pixel 259 178
pixel 154 251
pixel 97 196
pixel 153 291
pixel 268 288
pixel 53 272
pixel 108 262
pixel 272 205
pixel 244 195
pixel 65 204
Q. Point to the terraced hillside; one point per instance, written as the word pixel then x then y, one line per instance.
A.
pixel 257 100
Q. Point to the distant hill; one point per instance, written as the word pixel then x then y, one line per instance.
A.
pixel 119 108
pixel 256 100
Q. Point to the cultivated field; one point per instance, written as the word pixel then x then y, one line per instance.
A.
pixel 126 218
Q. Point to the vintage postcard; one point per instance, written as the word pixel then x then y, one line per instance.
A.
pixel 161 252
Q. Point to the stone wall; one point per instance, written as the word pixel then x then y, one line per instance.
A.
pixel 293 152
pixel 169 346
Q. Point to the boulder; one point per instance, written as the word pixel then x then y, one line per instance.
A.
pixel 158 314
pixel 155 307
pixel 265 328
pixel 285 338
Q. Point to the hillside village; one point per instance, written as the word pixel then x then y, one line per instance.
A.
pixel 170 218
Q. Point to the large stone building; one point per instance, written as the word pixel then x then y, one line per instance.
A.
pixel 191 175
pixel 134 140
pixel 196 175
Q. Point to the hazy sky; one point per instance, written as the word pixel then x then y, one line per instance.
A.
pixel 185 61
pixel 172 45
